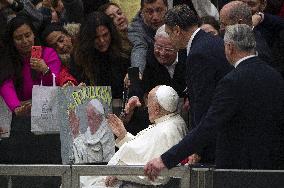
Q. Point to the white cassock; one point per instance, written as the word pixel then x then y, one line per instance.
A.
pixel 91 148
pixel 146 145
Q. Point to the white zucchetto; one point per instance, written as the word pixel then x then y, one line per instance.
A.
pixel 97 105
pixel 167 98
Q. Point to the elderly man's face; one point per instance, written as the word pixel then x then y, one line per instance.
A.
pixel 224 19
pixel 152 105
pixel 164 51
pixel 154 14
pixel 94 119
pixel 255 5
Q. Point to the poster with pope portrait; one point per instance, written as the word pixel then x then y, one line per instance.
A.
pixel 84 133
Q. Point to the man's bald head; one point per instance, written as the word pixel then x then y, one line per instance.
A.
pixel 235 12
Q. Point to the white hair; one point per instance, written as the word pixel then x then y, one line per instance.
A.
pixel 161 32
pixel 241 35
pixel 98 107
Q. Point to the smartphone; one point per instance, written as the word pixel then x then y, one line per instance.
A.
pixel 133 75
pixel 36 52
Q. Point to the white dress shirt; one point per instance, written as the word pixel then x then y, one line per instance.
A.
pixel 190 40
pixel 243 59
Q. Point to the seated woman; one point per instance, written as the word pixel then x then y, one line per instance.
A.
pixel 17 78
pixel 97 54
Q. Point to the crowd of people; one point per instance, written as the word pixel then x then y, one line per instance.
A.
pixel 224 59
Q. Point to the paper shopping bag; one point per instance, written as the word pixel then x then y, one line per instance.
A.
pixel 5 119
pixel 44 113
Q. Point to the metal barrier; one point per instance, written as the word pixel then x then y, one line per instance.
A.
pixel 39 170
pixel 190 177
pixel 71 174
pixel 91 170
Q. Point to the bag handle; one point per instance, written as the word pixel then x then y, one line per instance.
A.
pixel 53 80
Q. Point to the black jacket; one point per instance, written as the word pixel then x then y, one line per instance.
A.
pixel 245 118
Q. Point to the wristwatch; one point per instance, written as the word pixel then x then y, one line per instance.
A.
pixel 46 72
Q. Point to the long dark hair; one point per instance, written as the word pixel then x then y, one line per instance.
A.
pixel 86 55
pixel 12 66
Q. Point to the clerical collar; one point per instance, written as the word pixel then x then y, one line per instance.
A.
pixel 191 39
pixel 164 118
pixel 243 59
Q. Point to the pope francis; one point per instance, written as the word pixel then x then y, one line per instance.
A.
pixel 168 129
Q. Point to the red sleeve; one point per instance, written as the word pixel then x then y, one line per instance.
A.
pixel 65 76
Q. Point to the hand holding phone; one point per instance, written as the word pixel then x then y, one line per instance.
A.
pixel 36 52
pixel 133 75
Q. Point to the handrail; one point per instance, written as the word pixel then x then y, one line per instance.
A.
pixel 71 173
pixel 38 170
pixel 194 177
pixel 98 170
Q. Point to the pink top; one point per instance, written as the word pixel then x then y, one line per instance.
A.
pixel 12 97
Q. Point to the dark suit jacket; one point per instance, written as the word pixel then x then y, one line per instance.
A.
pixel 262 48
pixel 206 65
pixel 271 30
pixel 245 117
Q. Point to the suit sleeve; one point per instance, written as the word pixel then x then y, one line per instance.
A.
pixel 224 106
pixel 137 37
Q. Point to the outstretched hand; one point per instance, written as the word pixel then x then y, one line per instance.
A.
pixel 74 123
pixel 116 126
pixel 132 103
pixel 153 168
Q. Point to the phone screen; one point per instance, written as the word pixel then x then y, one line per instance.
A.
pixel 133 74
pixel 36 52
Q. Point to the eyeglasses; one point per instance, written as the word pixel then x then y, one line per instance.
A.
pixel 165 49
pixel 150 11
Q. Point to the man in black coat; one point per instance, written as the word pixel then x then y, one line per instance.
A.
pixel 206 64
pixel 245 115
